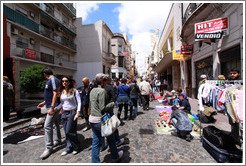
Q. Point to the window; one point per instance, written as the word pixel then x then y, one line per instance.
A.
pixel 120 61
pixel 21 10
pixel 21 43
pixel 113 75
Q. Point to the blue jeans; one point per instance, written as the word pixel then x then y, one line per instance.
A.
pixel 134 102
pixel 97 140
pixel 70 129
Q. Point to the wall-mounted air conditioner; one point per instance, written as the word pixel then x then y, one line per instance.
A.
pixel 14 31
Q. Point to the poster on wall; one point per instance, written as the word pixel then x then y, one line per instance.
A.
pixel 186 49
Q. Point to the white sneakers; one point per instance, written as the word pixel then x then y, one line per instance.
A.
pixel 45 154
pixel 65 153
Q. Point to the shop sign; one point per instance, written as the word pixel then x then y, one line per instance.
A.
pixel 213 29
pixel 178 56
pixel 212 26
pixel 186 49
pixel 29 53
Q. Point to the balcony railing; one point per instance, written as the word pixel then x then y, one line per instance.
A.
pixel 20 19
pixel 42 57
pixel 190 10
pixel 60 39
pixel 70 6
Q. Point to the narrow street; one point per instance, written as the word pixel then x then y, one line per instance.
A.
pixel 142 145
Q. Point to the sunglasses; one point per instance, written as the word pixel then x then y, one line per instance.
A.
pixel 64 80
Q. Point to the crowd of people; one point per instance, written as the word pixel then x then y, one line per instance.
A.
pixel 66 103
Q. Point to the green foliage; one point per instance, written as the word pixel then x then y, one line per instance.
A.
pixel 31 79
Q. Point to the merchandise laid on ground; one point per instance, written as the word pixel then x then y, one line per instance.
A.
pixel 164 128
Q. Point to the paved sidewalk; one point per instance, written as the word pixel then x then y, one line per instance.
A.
pixel 142 145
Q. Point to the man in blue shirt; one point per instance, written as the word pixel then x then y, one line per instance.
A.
pixel 50 101
pixel 184 104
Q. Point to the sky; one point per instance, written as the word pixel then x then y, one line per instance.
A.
pixel 136 18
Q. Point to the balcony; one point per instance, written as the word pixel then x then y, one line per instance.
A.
pixel 20 19
pixel 60 39
pixel 46 8
pixel 70 7
pixel 190 10
pixel 44 58
pixel 110 58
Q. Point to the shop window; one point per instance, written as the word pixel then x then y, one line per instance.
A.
pixel 230 59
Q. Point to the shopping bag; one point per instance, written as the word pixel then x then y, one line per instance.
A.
pixel 109 124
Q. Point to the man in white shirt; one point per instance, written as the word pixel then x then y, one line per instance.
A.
pixel 145 90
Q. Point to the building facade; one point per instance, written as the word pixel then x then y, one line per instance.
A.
pixel 216 56
pixel 168 70
pixel 38 33
pixel 94 53
pixel 119 45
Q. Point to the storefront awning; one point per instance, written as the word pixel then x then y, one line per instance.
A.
pixel 166 62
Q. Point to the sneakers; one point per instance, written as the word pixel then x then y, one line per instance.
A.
pixel 86 128
pixel 120 142
pixel 64 153
pixel 120 153
pixel 46 154
pixel 56 143
pixel 75 152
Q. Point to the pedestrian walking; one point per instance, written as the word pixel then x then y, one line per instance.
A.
pixel 203 78
pixel 123 99
pixel 85 100
pixel 134 93
pixel 145 90
pixel 52 117
pixel 70 105
pixel 98 108
pixel 111 98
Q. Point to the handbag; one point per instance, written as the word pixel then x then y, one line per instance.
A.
pixel 109 124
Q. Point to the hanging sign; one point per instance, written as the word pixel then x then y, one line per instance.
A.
pixel 212 29
pixel 178 56
pixel 186 49
pixel 29 53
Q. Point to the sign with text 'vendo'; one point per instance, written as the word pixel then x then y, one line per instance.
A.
pixel 212 29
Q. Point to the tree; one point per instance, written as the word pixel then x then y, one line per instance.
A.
pixel 31 79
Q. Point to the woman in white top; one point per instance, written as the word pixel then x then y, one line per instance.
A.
pixel 70 105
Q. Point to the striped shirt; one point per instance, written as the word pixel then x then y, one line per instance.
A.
pixel 51 85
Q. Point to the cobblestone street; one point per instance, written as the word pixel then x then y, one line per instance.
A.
pixel 142 145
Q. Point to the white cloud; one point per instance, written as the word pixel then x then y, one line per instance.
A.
pixel 83 9
pixel 138 19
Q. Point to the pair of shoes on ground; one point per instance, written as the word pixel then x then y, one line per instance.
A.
pixel 46 154
pixel 65 153
pixel 120 153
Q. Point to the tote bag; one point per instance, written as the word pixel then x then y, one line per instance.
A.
pixel 109 124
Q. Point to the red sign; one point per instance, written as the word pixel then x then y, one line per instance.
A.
pixel 186 49
pixel 125 54
pixel 31 54
pixel 216 25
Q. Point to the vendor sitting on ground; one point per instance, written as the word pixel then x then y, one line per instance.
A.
pixel 184 104
pixel 182 124
pixel 169 98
